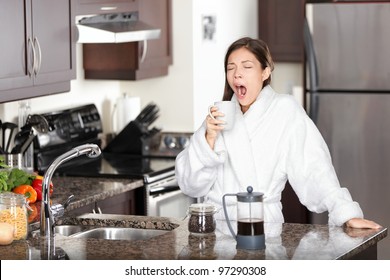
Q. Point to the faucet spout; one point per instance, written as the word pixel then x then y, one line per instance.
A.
pixel 48 212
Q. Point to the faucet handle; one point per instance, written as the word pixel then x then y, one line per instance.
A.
pixel 58 210
pixel 68 200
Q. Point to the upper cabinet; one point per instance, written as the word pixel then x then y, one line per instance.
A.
pixel 281 27
pixel 38 55
pixel 132 60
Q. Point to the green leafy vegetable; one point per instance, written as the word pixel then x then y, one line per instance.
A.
pixel 3 175
pixel 3 180
pixel 19 177
pixel 11 178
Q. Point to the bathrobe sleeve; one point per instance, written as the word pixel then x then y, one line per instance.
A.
pixel 197 166
pixel 311 173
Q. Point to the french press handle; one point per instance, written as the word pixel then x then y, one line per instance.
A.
pixel 226 214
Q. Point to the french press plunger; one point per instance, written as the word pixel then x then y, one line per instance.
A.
pixel 250 219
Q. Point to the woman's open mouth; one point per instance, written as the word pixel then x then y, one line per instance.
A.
pixel 240 91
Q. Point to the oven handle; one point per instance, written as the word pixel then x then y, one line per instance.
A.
pixel 159 190
pixel 167 185
pixel 157 178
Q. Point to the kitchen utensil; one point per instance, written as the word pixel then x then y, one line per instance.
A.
pixel 34 124
pixel 14 160
pixel 20 138
pixel 250 219
pixel 8 129
pixel 1 148
pixel 147 114
pixel 38 122
pixel 26 143
pixel 146 117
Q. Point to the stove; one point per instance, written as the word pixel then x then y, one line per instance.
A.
pixel 150 169
pixel 142 155
pixel 133 154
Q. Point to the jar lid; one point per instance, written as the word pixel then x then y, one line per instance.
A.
pixel 204 208
pixel 11 198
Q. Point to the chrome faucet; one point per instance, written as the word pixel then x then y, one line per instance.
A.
pixel 49 213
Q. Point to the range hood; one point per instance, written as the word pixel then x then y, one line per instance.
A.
pixel 115 28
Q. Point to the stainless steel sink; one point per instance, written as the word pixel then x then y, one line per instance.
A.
pixel 111 233
pixel 107 233
pixel 67 230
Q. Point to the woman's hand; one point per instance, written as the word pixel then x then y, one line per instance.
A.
pixel 362 223
pixel 213 126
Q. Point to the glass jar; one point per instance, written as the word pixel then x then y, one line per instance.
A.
pixel 13 210
pixel 201 219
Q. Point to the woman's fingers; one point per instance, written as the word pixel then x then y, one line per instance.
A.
pixel 362 223
pixel 212 118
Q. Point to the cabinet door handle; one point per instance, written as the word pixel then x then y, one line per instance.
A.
pixel 144 50
pixel 96 209
pixel 108 8
pixel 31 67
pixel 39 56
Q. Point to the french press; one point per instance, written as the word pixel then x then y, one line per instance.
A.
pixel 250 219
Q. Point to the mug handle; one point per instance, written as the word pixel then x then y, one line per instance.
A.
pixel 211 115
pixel 226 214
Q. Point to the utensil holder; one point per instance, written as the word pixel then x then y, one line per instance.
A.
pixel 131 140
pixel 14 160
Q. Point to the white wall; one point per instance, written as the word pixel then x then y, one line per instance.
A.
pixel 232 22
pixel 195 79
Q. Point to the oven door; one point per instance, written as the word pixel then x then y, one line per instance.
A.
pixel 165 199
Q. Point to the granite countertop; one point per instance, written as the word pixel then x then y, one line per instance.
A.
pixel 86 190
pixel 283 241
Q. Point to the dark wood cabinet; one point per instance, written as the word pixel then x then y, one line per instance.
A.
pixel 293 210
pixel 281 27
pixel 37 53
pixel 134 60
pixel 92 7
pixel 122 204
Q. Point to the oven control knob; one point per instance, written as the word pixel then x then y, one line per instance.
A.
pixel 184 141
pixel 170 142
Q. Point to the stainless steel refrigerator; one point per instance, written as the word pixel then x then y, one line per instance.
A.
pixel 347 81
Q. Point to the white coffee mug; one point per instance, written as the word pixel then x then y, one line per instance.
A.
pixel 228 108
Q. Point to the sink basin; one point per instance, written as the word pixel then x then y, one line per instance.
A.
pixel 67 230
pixel 111 233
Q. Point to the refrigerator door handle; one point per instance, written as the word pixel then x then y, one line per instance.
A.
pixel 310 57
pixel 312 67
pixel 313 110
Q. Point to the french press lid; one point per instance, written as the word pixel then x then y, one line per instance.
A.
pixel 250 196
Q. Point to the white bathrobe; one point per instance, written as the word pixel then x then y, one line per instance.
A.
pixel 274 141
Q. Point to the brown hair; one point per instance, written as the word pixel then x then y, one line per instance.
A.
pixel 261 51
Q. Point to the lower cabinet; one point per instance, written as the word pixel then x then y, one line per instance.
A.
pixel 122 204
pixel 293 210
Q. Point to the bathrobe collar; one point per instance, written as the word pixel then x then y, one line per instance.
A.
pixel 238 141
